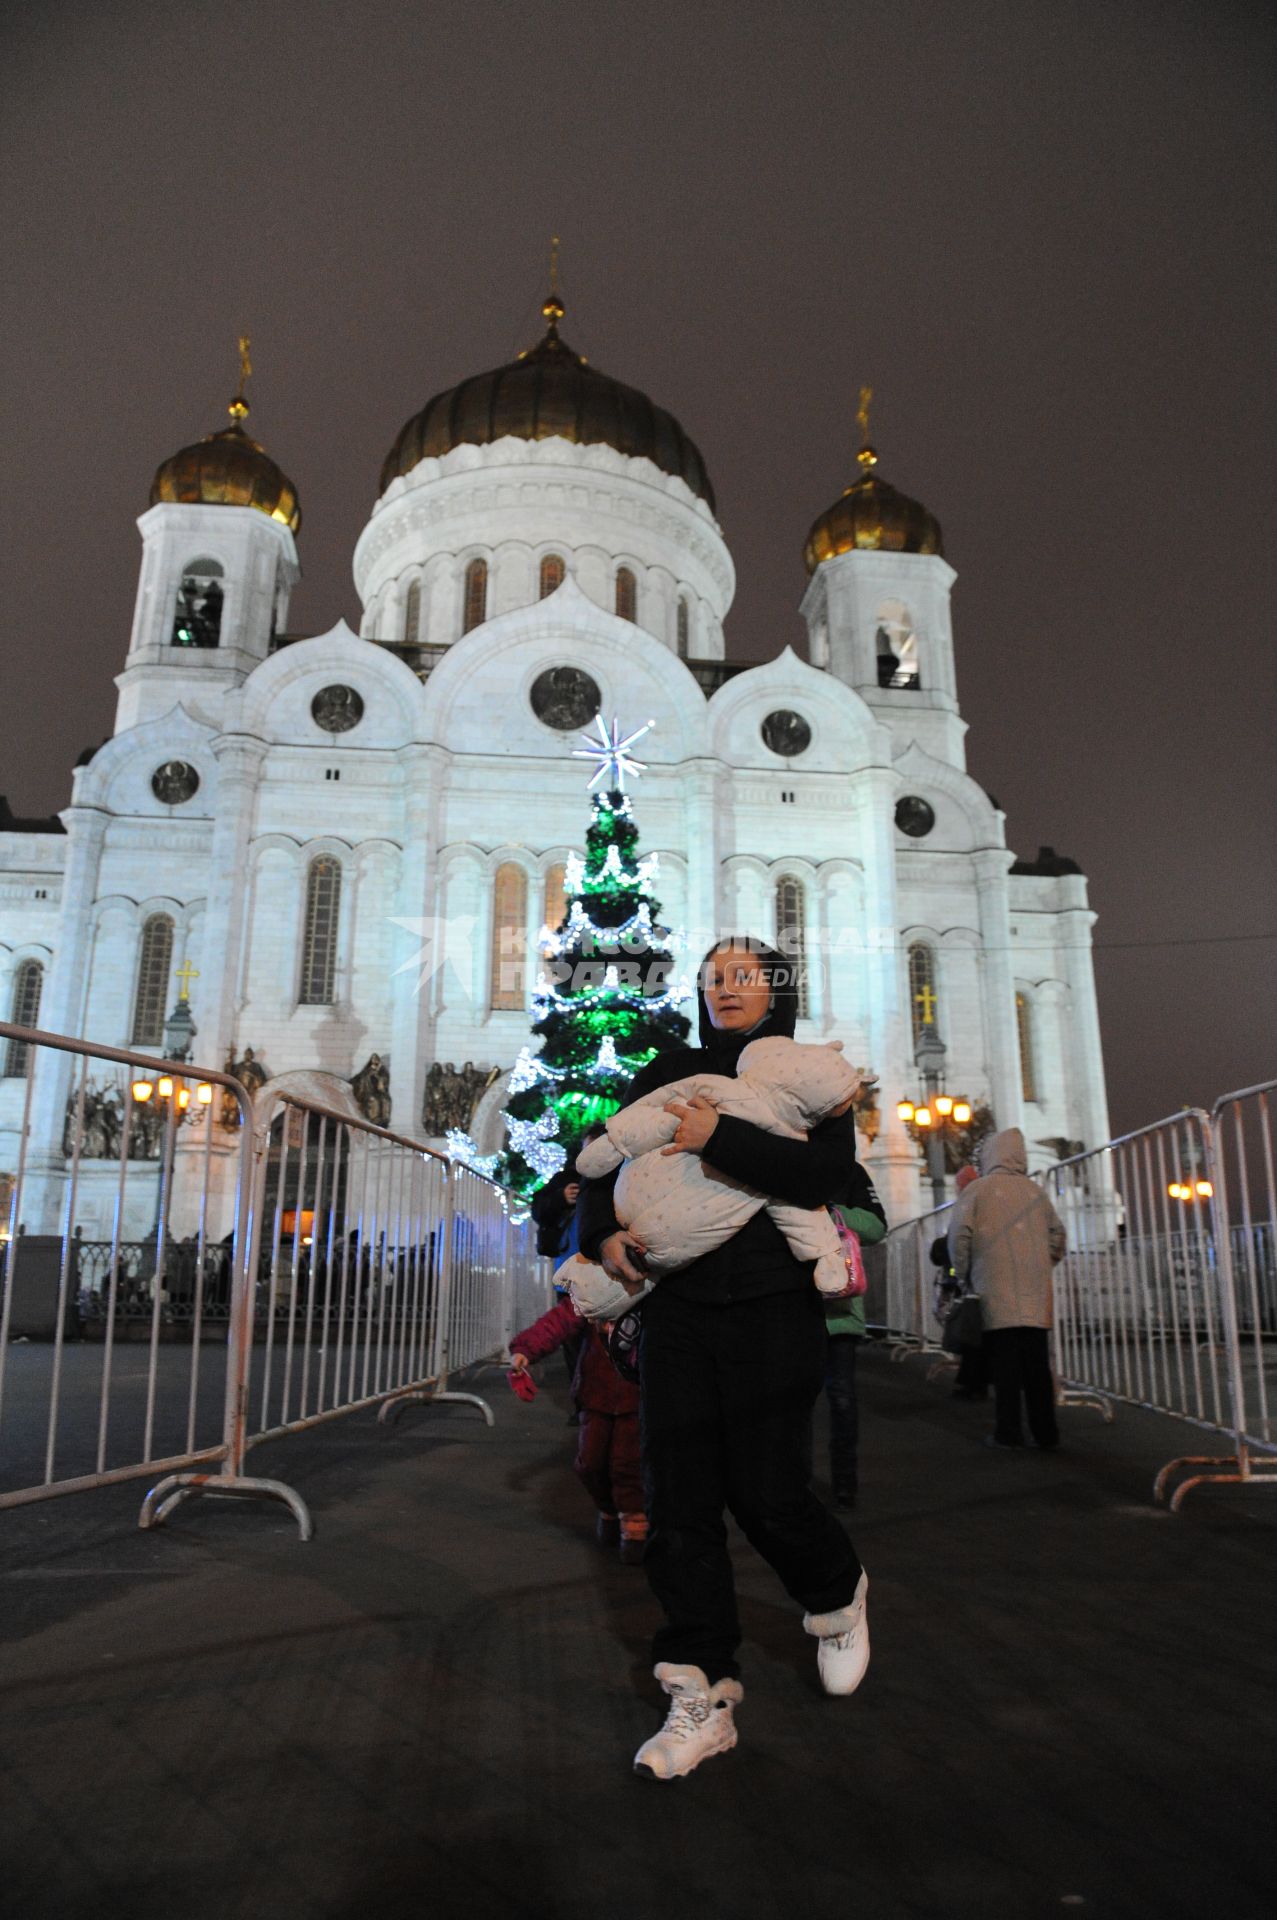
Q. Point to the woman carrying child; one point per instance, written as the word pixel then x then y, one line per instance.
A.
pixel 732 1359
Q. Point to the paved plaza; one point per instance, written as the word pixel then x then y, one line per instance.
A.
pixel 431 1708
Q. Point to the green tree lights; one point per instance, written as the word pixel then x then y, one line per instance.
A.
pixel 605 1004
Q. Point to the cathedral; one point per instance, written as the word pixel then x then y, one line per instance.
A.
pixel 335 853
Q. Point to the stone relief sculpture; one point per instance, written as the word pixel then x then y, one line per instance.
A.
pixel 371 1088
pixel 102 1125
pixel 453 1093
pixel 252 1076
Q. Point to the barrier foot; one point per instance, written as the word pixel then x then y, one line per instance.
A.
pixel 168 1494
pixel 1246 1473
pixel 394 1406
pixel 1088 1397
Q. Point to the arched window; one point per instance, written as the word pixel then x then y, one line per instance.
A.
pixel 556 906
pixel 683 623
pixel 897 646
pixel 626 593
pixel 475 609
pixel 150 994
pixel 509 938
pixel 923 1004
pixel 1024 1031
pixel 24 1012
pixel 553 568
pixel 197 621
pixel 791 933
pixel 319 937
pixel 412 615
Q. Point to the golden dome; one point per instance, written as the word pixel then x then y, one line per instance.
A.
pixel 872 514
pixel 227 469
pixel 549 391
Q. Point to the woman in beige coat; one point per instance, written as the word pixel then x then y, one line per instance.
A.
pixel 1006 1236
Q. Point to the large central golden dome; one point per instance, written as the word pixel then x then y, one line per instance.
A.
pixel 549 391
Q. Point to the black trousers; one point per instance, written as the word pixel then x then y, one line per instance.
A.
pixel 1020 1363
pixel 727 1397
pixel 973 1370
pixel 844 1410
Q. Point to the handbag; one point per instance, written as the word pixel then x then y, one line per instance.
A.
pixel 963 1324
pixel 623 1342
pixel 849 1240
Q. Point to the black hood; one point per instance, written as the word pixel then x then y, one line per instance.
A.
pixel 726 1048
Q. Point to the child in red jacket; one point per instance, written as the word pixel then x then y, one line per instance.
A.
pixel 607 1437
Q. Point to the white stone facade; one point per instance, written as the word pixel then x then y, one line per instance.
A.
pixel 449 775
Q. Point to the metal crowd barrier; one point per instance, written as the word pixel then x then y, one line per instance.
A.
pixel 377 1268
pixel 337 1265
pixel 905 1308
pixel 1167 1297
pixel 126 1237
pixel 1243 1209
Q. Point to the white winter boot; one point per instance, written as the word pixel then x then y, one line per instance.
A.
pixel 843 1651
pixel 698 1724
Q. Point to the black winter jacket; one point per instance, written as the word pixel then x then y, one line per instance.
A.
pixel 819 1171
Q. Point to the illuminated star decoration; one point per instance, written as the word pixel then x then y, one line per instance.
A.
pixel 612 753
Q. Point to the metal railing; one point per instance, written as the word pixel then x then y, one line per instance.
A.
pixel 382 1268
pixel 75 1416
pixel 1167 1297
pixel 337 1264
pixel 1243 1175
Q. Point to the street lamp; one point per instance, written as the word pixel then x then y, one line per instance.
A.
pixel 144 1091
pixel 938 1117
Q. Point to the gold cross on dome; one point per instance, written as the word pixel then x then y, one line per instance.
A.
pixel 185 974
pixel 862 412
pixel 926 999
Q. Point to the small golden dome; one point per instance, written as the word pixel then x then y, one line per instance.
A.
pixel 871 515
pixel 228 469
pixel 550 390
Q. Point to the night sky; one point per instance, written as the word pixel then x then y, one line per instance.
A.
pixel 1041 229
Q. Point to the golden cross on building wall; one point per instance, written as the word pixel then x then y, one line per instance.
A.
pixel 926 999
pixel 184 975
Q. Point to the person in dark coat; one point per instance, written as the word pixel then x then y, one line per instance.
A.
pixel 607 1441
pixel 731 1360
pixel 972 1382
pixel 554 1212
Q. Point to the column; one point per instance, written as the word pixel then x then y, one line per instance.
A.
pixel 892 1160
pixel 1002 1047
pixel 62 1011
pixel 412 1015
pixel 1091 1118
pixel 700 780
pixel 239 763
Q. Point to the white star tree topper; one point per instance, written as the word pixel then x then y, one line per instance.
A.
pixel 612 753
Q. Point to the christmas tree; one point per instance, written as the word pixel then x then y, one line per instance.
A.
pixel 607 1001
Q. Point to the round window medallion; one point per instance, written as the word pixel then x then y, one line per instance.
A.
pixel 174 782
pixel 337 709
pixel 786 733
pixel 565 697
pixel 914 816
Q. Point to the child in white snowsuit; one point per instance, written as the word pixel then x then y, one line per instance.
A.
pixel 678 1207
